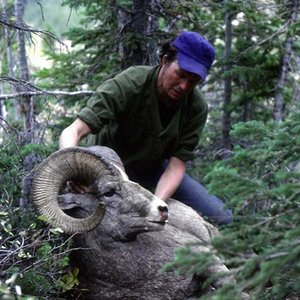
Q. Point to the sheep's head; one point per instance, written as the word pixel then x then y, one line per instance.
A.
pixel 130 209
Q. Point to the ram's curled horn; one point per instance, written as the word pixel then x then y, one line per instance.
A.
pixel 74 163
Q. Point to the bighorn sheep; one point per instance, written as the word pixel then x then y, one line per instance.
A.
pixel 123 257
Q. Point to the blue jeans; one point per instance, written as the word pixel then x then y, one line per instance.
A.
pixel 190 192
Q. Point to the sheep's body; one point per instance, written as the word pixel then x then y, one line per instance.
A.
pixel 128 270
pixel 123 256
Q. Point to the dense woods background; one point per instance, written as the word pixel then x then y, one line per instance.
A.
pixel 53 57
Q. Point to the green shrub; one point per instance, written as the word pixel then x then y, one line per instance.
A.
pixel 33 257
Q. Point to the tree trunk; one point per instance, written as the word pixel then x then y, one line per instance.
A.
pixel 278 103
pixel 152 28
pixel 27 100
pixel 10 60
pixel 137 30
pixel 227 82
pixel 1 102
pixel 122 23
pixel 247 100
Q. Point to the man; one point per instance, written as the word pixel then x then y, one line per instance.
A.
pixel 153 117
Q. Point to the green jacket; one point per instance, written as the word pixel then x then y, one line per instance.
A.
pixel 123 114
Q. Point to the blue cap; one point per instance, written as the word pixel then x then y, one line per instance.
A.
pixel 195 53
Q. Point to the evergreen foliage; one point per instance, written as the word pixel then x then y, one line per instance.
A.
pixel 51 15
pixel 260 181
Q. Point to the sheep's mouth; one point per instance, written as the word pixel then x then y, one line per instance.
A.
pixel 163 222
pixel 134 230
pixel 150 225
pixel 156 225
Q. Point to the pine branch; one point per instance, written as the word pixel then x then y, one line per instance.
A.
pixel 278 32
pixel 30 89
pixel 38 93
pixel 24 27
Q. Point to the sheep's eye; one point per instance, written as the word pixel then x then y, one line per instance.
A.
pixel 109 193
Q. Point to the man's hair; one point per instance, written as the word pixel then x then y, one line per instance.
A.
pixel 169 51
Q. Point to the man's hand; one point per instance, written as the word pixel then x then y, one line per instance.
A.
pixel 76 187
pixel 72 135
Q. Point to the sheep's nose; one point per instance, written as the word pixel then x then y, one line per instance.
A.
pixel 164 213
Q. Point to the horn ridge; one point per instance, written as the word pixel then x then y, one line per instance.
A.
pixel 53 173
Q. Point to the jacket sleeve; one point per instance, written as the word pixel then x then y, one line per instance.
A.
pixel 112 97
pixel 192 128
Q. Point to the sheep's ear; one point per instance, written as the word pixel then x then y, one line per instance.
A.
pixel 71 200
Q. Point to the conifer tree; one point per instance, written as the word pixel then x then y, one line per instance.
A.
pixel 260 182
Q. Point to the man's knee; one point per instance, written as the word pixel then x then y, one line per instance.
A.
pixel 226 217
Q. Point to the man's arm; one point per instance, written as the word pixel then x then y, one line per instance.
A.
pixel 170 179
pixel 72 134
pixel 71 137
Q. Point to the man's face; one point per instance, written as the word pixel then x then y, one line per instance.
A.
pixel 173 82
